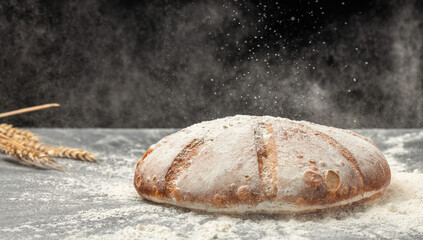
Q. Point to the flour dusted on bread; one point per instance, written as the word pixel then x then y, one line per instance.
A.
pixel 261 164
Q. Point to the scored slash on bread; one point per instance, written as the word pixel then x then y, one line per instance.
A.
pixel 261 164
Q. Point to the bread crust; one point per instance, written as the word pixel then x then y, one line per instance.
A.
pixel 265 164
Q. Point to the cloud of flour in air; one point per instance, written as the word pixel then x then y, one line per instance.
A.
pixel 213 71
pixel 364 72
pixel 157 64
pixel 377 81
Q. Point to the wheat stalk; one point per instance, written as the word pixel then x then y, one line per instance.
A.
pixel 24 145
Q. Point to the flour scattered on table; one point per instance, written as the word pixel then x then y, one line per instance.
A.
pixel 398 214
pixel 100 202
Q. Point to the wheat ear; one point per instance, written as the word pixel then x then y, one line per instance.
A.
pixel 26 154
pixel 18 134
pixel 61 152
pixel 24 145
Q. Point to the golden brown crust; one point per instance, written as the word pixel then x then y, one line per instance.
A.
pixel 341 149
pixel 261 164
pixel 380 174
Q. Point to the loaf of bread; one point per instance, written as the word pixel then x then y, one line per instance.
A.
pixel 247 164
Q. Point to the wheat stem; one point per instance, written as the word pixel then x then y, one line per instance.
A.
pixel 30 109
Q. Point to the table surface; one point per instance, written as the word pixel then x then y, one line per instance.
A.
pixel 98 200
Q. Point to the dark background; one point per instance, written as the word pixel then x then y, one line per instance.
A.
pixel 349 64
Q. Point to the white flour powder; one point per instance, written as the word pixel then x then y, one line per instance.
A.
pixel 398 214
pixel 108 207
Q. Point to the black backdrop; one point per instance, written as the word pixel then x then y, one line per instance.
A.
pixel 349 64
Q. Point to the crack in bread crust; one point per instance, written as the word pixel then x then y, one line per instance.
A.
pixel 339 147
pixel 267 158
pixel 180 164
